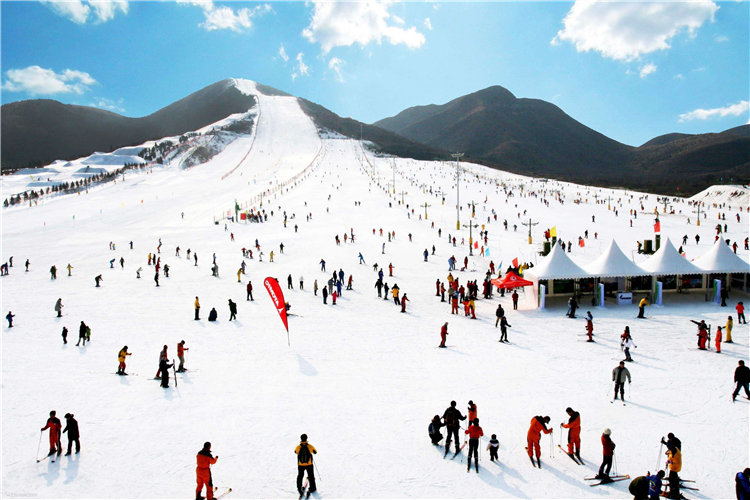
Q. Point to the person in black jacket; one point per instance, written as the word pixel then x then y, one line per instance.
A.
pixel 499 313
pixel 232 310
pixel 71 427
pixel 451 419
pixel 213 314
pixel 742 378
pixel 573 307
pixel 434 429
pixel 164 367
pixel 82 333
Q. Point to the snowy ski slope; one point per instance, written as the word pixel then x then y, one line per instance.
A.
pixel 361 379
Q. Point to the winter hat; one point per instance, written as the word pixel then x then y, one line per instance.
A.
pixel 68 415
pixel 206 445
pixel 303 437
pixel 607 432
pixel 568 410
pixel 476 421
pixel 494 436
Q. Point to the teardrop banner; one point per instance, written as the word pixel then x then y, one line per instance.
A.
pixel 277 296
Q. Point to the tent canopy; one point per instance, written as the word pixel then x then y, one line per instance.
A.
pixel 613 264
pixel 511 280
pixel 557 266
pixel 667 261
pixel 720 259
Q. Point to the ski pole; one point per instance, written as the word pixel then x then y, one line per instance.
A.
pixel 614 455
pixel 174 371
pixel 661 446
pixel 39 447
pixel 316 469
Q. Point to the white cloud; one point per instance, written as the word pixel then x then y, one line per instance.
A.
pixel 721 39
pixel 80 12
pixel 104 103
pixel 678 76
pixel 626 30
pixel 397 19
pixel 225 18
pixel 39 81
pixel 647 69
pixel 554 97
pixel 335 64
pixel 428 24
pixel 704 114
pixel 302 67
pixel 283 54
pixel 336 24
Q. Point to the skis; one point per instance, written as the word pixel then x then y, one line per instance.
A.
pixel 55 456
pixel 611 480
pixel 222 495
pixel 305 493
pixel 624 476
pixel 459 450
pixel 623 404
pixel 572 457
pixel 126 374
pixel 532 459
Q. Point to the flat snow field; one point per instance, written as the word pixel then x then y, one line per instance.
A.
pixel 360 378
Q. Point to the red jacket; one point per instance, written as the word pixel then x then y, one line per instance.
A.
pixel 740 308
pixel 444 330
pixel 474 432
pixel 608 447
pixel 536 428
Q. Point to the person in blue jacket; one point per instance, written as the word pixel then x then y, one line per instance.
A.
pixel 742 484
pixel 434 429
pixel 654 485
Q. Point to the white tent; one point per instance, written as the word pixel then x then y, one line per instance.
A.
pixel 720 259
pixel 556 266
pixel 668 261
pixel 614 264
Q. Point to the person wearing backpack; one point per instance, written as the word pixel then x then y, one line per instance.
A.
pixel 451 418
pixel 305 452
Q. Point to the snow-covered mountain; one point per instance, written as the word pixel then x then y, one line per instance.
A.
pixel 360 378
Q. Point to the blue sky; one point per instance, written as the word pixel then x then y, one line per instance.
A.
pixel 629 70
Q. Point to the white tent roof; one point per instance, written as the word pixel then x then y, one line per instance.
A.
pixel 668 261
pixel 557 266
pixel 720 259
pixel 613 263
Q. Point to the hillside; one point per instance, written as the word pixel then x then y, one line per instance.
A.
pixel 534 137
pixel 39 131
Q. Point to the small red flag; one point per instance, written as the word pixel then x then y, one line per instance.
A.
pixel 657 226
pixel 515 262
pixel 277 296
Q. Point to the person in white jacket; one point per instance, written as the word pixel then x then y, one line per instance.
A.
pixel 627 345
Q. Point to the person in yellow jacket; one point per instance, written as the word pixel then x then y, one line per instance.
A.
pixel 271 255
pixel 239 274
pixel 395 291
pixel 674 461
pixel 642 307
pixel 197 309
pixel 728 330
pixel 121 356
pixel 305 452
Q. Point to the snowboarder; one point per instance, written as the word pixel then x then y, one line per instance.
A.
pixel 619 374
pixel 475 432
pixel 642 307
pixel 574 432
pixel 181 355
pixel 138 272
pixel 608 450
pixel 71 427
pixel 232 310
pixel 82 333
pixel 434 430
pixel 493 446
pixel 443 334
pixel 361 259
pixel 451 418
pixel 58 307
pixel 742 379
pixel 504 329
pixel 121 356
pixel 197 305
pixel 54 426
pixel 534 435
pixel 305 452
pixel 203 472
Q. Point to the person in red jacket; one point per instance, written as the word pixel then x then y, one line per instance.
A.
pixel 474 432
pixel 54 425
pixel 404 300
pixel 443 334
pixel 203 472
pixel 608 450
pixel 454 303
pixel 590 330
pixel 574 432
pixel 740 313
pixel 538 425
pixel 514 297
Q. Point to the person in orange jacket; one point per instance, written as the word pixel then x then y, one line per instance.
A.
pixel 474 432
pixel 203 472
pixel 574 432
pixel 472 411
pixel 305 452
pixel 443 334
pixel 717 340
pixel 538 425
pixel 54 425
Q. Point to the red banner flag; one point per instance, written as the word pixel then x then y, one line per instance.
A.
pixel 657 226
pixel 515 262
pixel 277 296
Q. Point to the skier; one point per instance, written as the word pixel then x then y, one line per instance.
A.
pixel 166 270
pixel 619 374
pixel 203 472
pixel 10 317
pixel 674 461
pixel 334 296
pixel 379 287
pixel 451 418
pixel 302 283
pixel 122 262
pixel 702 334
pixel 156 278
pixel 534 435
pixel 65 335
pixel 434 430
pixel 349 282
pixel 443 334
pixel 305 452
pixel 504 325
pixel 390 269
pixel 608 450
pixel 471 411
pixel 642 307
pixel 646 487
pixel 181 355
pixel 164 366
pixel 740 307
pixel 499 313
pixel 404 300
pixel 58 307
pixel 361 259
pixel 742 379
pixel 195 256
pixel 322 265
pixel 493 446
pixel 574 432
pixel 475 432
pixel 71 427
pixel 162 357
pixel 426 254
pixel 54 426
pixel 138 272
pixel 627 345
pixel 249 291
pixel 121 356
pixel 82 333
pixel 394 291
pixel 98 279
pixel 515 300
pixel 590 328
pixel 232 310
pixel 454 303
pixel 197 305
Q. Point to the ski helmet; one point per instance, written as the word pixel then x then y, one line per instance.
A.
pixel 607 432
